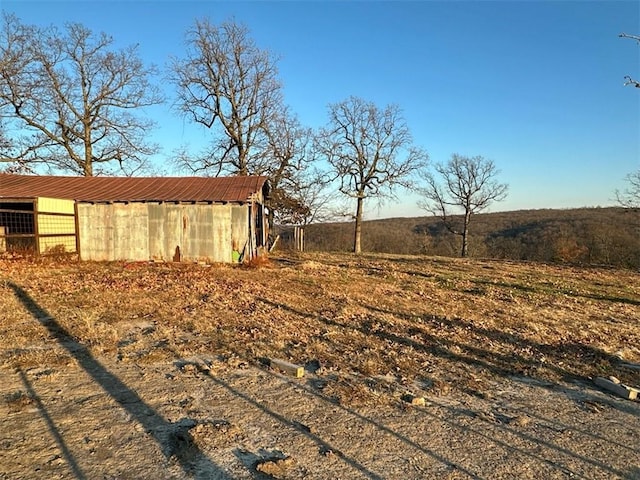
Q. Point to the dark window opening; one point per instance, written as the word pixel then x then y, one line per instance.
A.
pixel 260 226
pixel 17 226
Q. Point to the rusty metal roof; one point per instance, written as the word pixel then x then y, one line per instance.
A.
pixel 132 189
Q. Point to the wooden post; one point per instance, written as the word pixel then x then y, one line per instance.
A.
pixel 36 230
pixel 76 221
pixel 289 368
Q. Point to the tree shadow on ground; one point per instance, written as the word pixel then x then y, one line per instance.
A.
pixel 250 460
pixel 557 290
pixel 486 362
pixel 53 429
pixel 296 426
pixel 174 439
pixel 503 364
pixel 359 263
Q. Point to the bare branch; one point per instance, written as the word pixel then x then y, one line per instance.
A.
pixel 288 159
pixel 467 185
pixel 631 81
pixel 633 37
pixel 630 196
pixel 627 79
pixel 69 98
pixel 226 83
pixel 370 151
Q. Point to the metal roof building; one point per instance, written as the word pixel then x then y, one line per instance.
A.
pixel 131 218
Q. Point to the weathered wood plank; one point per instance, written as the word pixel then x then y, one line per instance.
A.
pixel 287 367
pixel 619 389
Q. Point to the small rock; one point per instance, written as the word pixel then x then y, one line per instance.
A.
pixel 287 367
pixel 521 420
pixel 439 387
pixel 413 400
pixel 326 452
pixel 189 368
pixel 277 468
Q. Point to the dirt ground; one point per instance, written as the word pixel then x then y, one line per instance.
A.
pixel 135 371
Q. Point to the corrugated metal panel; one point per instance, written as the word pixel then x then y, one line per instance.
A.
pixel 239 227
pixel 130 232
pixel 95 232
pixel 142 231
pixel 132 189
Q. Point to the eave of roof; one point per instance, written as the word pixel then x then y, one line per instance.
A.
pixel 132 189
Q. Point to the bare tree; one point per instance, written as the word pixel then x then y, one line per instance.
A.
pixel 627 79
pixel 288 158
pixel 6 147
pixel 69 98
pixel 227 84
pixel 466 184
pixel 317 197
pixel 370 152
pixel 630 196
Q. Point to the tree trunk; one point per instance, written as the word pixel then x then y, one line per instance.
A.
pixel 358 231
pixel 465 235
pixel 87 164
pixel 87 169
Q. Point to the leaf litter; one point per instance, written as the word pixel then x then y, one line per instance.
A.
pixel 503 353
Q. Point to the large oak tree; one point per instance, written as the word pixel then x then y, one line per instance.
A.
pixel 370 152
pixel 71 101
pixel 230 86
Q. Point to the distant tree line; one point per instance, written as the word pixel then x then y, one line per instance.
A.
pixel 588 236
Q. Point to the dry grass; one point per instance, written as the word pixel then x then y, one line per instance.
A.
pixel 378 326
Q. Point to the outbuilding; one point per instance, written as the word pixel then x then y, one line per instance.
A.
pixel 219 219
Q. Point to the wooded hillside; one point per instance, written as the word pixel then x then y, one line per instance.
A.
pixel 605 236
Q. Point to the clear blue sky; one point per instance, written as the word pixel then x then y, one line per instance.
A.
pixel 536 86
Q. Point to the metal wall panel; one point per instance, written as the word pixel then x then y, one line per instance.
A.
pixel 56 205
pixel 239 227
pixel 160 231
pixel 130 231
pixel 221 233
pixel 95 228
pixel 172 228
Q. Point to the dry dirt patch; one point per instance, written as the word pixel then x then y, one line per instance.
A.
pixel 146 370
